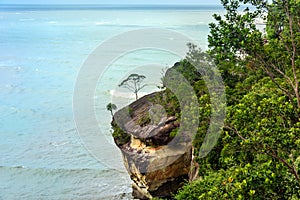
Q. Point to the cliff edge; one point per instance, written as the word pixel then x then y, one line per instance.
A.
pixel 157 158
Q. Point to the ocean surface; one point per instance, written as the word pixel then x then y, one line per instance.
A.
pixel 42 49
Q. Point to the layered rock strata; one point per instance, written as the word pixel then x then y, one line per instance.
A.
pixel 157 161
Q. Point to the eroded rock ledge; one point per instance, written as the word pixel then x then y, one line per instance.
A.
pixel 157 161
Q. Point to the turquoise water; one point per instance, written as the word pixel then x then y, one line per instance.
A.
pixel 41 52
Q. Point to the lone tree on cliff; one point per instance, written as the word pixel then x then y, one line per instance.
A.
pixel 134 83
pixel 110 107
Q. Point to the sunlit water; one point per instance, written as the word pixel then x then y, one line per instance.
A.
pixel 41 52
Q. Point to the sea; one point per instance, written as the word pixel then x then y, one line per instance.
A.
pixel 43 49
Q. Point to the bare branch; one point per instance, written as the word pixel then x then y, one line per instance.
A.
pixel 232 128
pixel 133 83
pixel 291 167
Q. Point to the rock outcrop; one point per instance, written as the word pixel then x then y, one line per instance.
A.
pixel 157 160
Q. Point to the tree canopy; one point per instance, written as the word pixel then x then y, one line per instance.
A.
pixel 258 155
pixel 134 83
pixel 111 107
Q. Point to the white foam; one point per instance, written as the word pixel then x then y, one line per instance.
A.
pixel 26 19
pixel 128 95
pixel 116 93
pixel 102 23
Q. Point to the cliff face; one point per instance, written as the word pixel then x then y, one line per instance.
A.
pixel 157 161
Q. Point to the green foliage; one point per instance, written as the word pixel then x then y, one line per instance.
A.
pixel 168 100
pixel 119 135
pixel 110 107
pixel 144 120
pixel 174 132
pixel 231 38
pixel 258 154
pixel 177 99
pixel 250 181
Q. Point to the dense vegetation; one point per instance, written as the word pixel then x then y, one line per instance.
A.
pixel 175 99
pixel 258 153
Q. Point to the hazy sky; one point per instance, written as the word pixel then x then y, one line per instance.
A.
pixel 182 2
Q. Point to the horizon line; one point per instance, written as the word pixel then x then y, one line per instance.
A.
pixel 99 4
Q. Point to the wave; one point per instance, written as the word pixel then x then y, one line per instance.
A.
pixel 104 23
pixel 121 196
pixel 109 24
pixel 20 182
pixel 26 19
pixel 127 95
pixel 55 169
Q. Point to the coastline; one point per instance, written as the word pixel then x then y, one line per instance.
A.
pixel 48 49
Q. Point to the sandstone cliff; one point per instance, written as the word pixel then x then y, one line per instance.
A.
pixel 157 158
